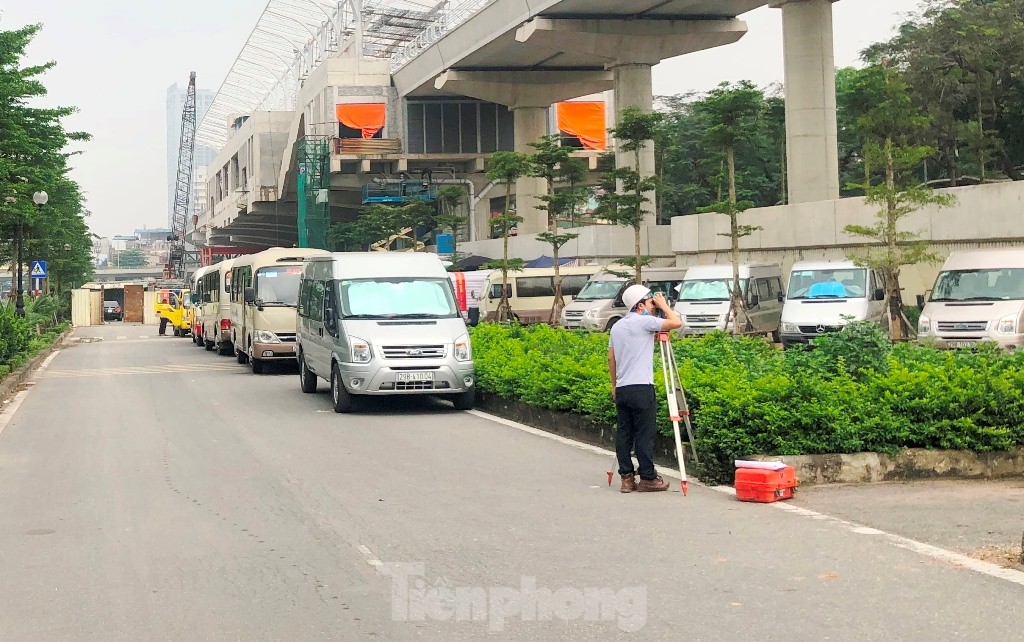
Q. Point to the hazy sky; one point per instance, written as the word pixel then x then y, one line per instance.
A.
pixel 116 59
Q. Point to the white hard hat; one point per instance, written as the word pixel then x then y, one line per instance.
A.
pixel 635 294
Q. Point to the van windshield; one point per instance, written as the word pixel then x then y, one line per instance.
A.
pixel 597 290
pixel 397 298
pixel 707 289
pixel 842 283
pixel 278 285
pixel 980 285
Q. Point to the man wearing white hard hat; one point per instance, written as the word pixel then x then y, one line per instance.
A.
pixel 631 365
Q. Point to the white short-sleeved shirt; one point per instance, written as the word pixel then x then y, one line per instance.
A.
pixel 632 340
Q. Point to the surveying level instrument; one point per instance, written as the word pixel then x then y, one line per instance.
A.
pixel 678 408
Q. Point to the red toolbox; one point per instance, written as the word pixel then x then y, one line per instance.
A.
pixel 761 485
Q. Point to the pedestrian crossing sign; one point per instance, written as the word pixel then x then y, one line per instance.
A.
pixel 38 269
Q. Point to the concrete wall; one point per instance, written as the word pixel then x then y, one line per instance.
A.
pixel 983 216
pixel 596 243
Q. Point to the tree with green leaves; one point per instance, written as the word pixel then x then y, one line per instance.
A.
pixel 732 112
pixel 506 168
pixel 556 164
pixel 33 158
pixel 625 190
pixel 382 222
pixel 888 129
pixel 450 202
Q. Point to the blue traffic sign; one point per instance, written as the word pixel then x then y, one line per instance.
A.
pixel 38 270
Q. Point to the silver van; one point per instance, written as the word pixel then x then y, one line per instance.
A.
pixel 978 296
pixel 599 304
pixel 704 303
pixel 824 296
pixel 382 323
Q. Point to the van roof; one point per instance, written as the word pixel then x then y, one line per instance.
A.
pixel 280 255
pixel 720 270
pixel 823 265
pixel 993 259
pixel 363 265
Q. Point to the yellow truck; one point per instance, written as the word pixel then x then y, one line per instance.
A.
pixel 175 307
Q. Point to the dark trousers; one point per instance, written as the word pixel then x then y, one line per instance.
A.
pixel 637 409
pixel 163 325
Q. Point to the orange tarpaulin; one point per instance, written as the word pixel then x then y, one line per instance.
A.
pixel 584 120
pixel 367 117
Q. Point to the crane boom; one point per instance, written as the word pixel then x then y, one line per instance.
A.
pixel 175 268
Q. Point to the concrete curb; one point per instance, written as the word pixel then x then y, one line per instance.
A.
pixel 857 468
pixel 9 385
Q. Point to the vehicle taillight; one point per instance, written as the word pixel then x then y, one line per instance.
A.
pixel 225 324
pixel 117 309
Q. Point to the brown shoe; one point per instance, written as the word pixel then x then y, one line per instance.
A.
pixel 628 484
pixel 652 485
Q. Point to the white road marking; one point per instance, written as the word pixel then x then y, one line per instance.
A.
pixel 122 337
pixel 371 559
pixel 951 557
pixel 11 408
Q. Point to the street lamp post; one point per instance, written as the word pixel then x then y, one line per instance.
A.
pixel 40 199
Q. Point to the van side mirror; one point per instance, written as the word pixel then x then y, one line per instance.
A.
pixel 879 294
pixel 754 300
pixel 330 322
pixel 920 302
pixel 618 302
pixel 474 317
pixel 194 298
pixel 249 295
pixel 781 297
pixel 207 298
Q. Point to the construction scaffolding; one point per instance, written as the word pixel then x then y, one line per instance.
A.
pixel 314 184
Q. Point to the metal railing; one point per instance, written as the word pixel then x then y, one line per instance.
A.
pixel 436 30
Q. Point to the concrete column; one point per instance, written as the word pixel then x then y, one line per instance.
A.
pixel 530 124
pixel 812 149
pixel 633 88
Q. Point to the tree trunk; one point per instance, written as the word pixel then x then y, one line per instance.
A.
pixel 555 318
pixel 892 271
pixel 503 313
pixel 639 216
pixel 739 313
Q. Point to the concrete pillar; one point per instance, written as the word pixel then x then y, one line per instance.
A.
pixel 812 149
pixel 633 88
pixel 530 124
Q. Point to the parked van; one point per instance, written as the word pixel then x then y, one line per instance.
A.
pixel 383 323
pixel 196 283
pixel 599 304
pixel 264 295
pixel 703 299
pixel 469 289
pixel 531 292
pixel 823 296
pixel 214 308
pixel 978 296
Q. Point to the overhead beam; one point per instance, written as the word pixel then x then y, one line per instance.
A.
pixel 526 88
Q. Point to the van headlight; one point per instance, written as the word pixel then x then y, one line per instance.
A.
pixel 266 336
pixel 790 328
pixel 360 350
pixel 463 351
pixel 1008 324
pixel 591 313
pixel 924 325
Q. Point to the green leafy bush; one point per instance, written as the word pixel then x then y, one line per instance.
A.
pixel 852 392
pixel 18 339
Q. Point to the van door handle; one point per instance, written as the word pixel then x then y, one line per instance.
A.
pixel 321 331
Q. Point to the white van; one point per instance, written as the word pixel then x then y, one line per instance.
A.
pixel 213 313
pixel 703 299
pixel 197 281
pixel 599 304
pixel 823 296
pixel 978 296
pixel 531 292
pixel 264 294
pixel 383 323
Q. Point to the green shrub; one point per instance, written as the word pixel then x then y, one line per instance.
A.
pixel 853 392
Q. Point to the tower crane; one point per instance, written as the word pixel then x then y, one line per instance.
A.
pixel 175 267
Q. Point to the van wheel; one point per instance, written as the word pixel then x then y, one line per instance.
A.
pixel 339 395
pixel 776 336
pixel 255 364
pixel 209 345
pixel 241 357
pixel 307 379
pixel 465 400
pixel 177 331
pixel 611 322
pixel 226 350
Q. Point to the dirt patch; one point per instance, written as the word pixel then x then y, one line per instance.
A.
pixel 1008 556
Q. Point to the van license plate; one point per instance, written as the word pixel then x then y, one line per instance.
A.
pixel 960 344
pixel 414 376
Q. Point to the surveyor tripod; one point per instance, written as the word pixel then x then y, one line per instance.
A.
pixel 678 408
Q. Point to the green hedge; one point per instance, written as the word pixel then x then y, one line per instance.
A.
pixel 19 341
pixel 854 392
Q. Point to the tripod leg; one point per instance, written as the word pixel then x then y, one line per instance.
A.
pixel 684 408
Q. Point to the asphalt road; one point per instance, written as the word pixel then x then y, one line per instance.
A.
pixel 152 490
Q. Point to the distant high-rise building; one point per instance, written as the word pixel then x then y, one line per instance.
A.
pixel 203 155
